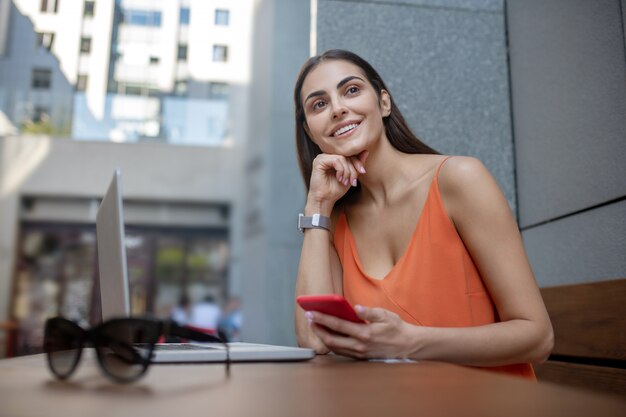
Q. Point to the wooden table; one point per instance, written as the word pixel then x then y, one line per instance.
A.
pixel 325 386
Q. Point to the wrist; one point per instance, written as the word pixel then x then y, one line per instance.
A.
pixel 417 337
pixel 324 208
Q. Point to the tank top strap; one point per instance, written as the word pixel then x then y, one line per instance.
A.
pixel 441 164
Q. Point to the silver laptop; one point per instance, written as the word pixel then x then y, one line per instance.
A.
pixel 114 293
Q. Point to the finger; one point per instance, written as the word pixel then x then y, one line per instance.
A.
pixel 350 173
pixel 340 169
pixel 372 315
pixel 363 156
pixel 354 174
pixel 336 324
pixel 358 165
pixel 338 343
pixel 348 177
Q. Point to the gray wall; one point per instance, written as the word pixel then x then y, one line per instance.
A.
pixel 568 79
pixel 445 63
pixel 274 191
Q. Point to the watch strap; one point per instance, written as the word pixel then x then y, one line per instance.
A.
pixel 316 221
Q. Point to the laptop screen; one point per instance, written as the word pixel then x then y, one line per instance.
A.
pixel 112 252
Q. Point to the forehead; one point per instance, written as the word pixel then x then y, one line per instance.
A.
pixel 327 74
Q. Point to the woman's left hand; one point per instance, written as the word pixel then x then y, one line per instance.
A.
pixel 385 335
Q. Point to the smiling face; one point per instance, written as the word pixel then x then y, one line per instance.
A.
pixel 343 112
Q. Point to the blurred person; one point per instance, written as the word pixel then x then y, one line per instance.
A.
pixel 205 315
pixel 424 245
pixel 182 311
pixel 230 323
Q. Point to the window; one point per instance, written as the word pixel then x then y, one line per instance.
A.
pixel 182 52
pixel 218 91
pixel 180 88
pixel 41 78
pixel 89 8
pixel 45 40
pixel 221 17
pixel 154 60
pixel 49 6
pixel 41 114
pixel 133 90
pixel 85 44
pixel 81 82
pixel 220 53
pixel 184 15
pixel 144 90
pixel 142 17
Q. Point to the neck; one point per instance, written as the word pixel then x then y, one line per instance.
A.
pixel 388 173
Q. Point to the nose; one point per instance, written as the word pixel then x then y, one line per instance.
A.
pixel 339 109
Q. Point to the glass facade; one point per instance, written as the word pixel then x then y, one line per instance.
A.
pixel 57 274
pixel 142 17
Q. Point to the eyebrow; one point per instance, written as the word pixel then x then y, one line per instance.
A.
pixel 339 85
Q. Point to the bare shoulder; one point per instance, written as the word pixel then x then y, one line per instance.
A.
pixel 461 174
pixel 468 189
pixel 423 165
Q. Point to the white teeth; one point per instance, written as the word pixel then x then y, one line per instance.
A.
pixel 345 129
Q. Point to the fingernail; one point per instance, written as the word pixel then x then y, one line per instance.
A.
pixel 309 315
pixel 359 308
pixel 341 179
pixel 354 182
pixel 346 182
pixel 362 170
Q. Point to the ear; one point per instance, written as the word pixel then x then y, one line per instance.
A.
pixel 385 103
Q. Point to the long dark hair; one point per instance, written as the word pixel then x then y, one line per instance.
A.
pixel 398 132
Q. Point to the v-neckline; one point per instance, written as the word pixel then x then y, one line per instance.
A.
pixel 355 250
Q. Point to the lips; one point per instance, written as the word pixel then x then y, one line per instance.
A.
pixel 345 129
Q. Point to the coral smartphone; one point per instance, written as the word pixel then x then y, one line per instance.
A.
pixel 332 304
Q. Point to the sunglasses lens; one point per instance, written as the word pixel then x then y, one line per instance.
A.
pixel 125 347
pixel 63 344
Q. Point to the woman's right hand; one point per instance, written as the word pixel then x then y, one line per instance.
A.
pixel 333 175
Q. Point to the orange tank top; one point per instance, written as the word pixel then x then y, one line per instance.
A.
pixel 434 283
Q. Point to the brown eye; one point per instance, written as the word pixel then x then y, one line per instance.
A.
pixel 353 89
pixel 319 104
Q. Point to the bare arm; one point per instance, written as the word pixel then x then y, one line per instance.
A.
pixel 320 271
pixel 484 221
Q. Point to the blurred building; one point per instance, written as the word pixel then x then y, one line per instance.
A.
pixel 159 88
pixel 126 70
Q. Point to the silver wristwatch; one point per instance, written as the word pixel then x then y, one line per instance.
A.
pixel 316 221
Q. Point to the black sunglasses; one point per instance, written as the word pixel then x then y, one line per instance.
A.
pixel 123 346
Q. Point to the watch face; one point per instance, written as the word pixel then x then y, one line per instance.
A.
pixel 300 216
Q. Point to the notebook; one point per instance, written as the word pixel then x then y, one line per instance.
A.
pixel 114 293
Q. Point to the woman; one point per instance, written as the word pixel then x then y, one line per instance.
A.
pixel 425 246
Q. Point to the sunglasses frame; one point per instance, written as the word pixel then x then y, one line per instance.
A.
pixel 94 337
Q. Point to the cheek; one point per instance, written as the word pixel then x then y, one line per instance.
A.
pixel 315 128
